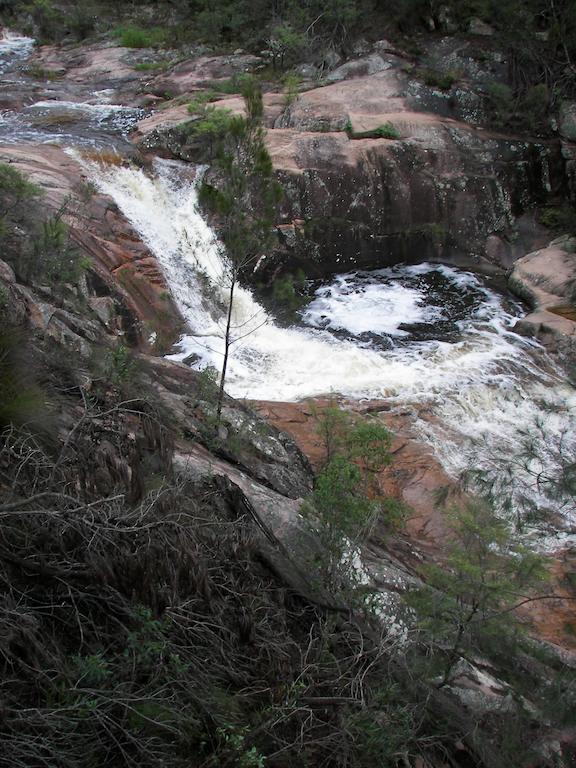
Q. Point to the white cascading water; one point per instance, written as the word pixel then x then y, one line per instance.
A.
pixel 481 390
pixel 14 48
pixel 474 395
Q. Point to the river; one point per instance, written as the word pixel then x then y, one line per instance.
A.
pixel 432 340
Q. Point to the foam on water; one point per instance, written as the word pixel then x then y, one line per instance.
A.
pixel 101 115
pixel 481 389
pixel 14 48
pixel 372 310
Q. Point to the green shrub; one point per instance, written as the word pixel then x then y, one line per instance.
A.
pixel 213 126
pixel 467 605
pixel 215 123
pixel 346 501
pixel 15 189
pixel 207 384
pixel 81 20
pixel 385 131
pixel 53 255
pixel 232 85
pixel 534 107
pixel 47 252
pixel 120 365
pixel 285 44
pixel 500 102
pixel 291 82
pixel 560 218
pixel 435 79
pixel 284 293
pixel 152 66
pixel 137 37
pixel 48 20
pixel 232 747
pixel 382 731
pixel 525 111
pixel 199 103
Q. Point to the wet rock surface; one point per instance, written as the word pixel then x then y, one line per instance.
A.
pixel 444 189
pixel 122 268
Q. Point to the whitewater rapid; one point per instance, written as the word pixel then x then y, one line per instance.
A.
pixel 14 48
pixel 448 356
pixel 482 385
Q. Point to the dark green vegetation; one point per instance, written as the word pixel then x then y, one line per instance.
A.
pixel 347 503
pixel 442 80
pixel 147 619
pixel 561 219
pixel 385 131
pixel 37 250
pixel 244 194
pixel 154 632
pixel 466 605
pixel 539 34
pixel 288 292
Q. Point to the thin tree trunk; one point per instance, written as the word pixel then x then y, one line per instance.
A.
pixel 227 342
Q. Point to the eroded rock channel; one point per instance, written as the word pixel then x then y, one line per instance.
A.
pixel 404 244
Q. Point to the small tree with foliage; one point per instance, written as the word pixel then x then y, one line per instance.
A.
pixel 15 192
pixel 285 43
pixel 469 599
pixel 244 198
pixel 346 502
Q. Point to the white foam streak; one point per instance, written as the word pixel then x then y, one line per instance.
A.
pixel 101 115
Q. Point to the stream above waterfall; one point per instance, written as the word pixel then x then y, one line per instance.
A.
pixel 57 112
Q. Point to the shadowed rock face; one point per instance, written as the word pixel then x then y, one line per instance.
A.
pixel 438 195
pixel 445 189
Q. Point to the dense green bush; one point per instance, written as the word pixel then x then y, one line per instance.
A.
pixel 214 124
pixel 287 291
pixel 435 79
pixel 137 37
pixel 467 604
pixel 285 44
pixel 48 21
pixel 53 257
pixel 561 219
pixel 527 110
pixel 384 131
pixel 15 191
pixel 347 501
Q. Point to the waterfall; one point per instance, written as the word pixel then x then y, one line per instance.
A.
pixel 482 389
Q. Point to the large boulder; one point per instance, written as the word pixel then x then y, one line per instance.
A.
pixel 545 279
